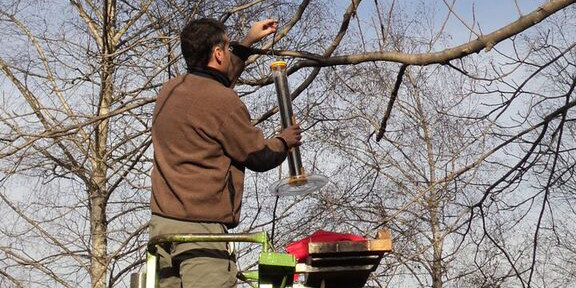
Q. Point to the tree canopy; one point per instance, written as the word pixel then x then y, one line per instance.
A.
pixel 456 138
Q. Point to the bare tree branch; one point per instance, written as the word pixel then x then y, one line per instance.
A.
pixel 393 96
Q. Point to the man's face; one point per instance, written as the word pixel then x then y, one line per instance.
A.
pixel 226 57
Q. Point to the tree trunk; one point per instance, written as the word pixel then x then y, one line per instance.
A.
pixel 98 195
pixel 98 229
pixel 437 270
pixel 433 199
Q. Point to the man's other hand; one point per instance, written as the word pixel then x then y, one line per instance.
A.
pixel 292 135
pixel 259 30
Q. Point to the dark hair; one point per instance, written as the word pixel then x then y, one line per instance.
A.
pixel 197 40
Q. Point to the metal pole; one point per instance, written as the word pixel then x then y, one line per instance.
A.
pixel 297 173
pixel 298 183
pixel 259 237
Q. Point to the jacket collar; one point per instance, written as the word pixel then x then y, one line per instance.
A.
pixel 212 73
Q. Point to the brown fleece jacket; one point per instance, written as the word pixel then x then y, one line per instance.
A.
pixel 203 140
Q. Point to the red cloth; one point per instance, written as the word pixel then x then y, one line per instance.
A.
pixel 299 248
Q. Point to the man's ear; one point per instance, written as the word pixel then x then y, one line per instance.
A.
pixel 218 54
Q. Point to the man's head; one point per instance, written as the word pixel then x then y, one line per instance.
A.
pixel 204 43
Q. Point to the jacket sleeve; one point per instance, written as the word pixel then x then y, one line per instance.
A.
pixel 240 54
pixel 245 143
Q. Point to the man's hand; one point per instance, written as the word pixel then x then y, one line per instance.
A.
pixel 258 31
pixel 292 136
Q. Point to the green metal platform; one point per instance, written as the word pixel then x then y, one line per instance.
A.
pixel 339 264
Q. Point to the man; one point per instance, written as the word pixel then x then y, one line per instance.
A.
pixel 203 141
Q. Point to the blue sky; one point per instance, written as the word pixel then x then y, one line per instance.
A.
pixel 490 14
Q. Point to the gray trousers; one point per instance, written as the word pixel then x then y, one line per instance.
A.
pixel 193 265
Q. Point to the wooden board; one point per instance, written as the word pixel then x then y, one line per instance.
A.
pixel 378 245
pixel 343 263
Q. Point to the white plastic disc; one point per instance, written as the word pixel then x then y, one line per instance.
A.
pixel 298 185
